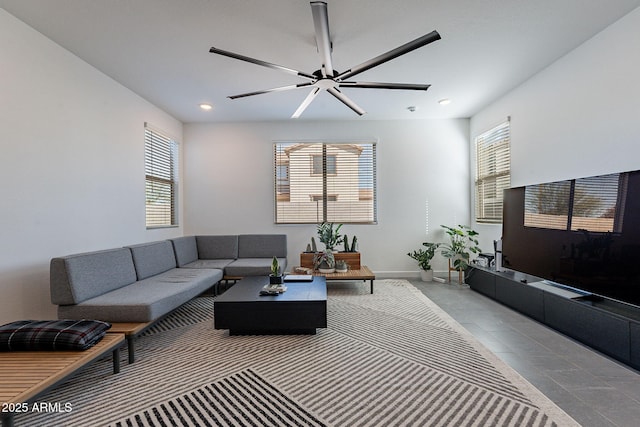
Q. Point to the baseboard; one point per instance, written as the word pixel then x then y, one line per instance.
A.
pixel 411 274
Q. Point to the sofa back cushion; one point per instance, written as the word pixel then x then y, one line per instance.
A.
pixel 217 247
pixel 185 250
pixel 153 258
pixel 76 278
pixel 262 245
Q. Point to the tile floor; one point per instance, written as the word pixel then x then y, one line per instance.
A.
pixel 594 389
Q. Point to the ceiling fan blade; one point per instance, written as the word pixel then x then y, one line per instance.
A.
pixel 275 89
pixel 345 100
pixel 312 95
pixel 394 53
pixel 323 39
pixel 263 63
pixel 376 85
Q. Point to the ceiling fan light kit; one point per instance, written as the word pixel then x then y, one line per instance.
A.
pixel 327 78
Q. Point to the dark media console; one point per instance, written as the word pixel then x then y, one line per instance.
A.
pixel 606 325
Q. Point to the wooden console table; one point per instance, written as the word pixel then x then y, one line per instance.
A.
pixel 363 273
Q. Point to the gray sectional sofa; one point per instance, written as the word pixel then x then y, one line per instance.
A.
pixel 142 283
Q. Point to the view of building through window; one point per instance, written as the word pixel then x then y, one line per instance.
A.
pixel 318 181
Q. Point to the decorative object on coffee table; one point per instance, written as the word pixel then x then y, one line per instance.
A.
pixel 275 278
pixel 273 289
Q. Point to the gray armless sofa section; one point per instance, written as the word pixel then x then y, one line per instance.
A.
pixel 142 283
pixel 238 255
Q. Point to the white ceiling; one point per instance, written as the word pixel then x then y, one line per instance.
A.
pixel 160 49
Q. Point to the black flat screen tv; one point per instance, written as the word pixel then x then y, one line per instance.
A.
pixel 583 233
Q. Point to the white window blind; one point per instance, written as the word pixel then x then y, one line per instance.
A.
pixel 161 171
pixel 493 172
pixel 319 181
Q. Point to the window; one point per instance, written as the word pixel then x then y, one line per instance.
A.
pixel 493 172
pixel 593 204
pixel 161 172
pixel 320 181
pixel 324 164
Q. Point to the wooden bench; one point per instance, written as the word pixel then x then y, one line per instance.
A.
pixel 131 331
pixel 24 375
pixel 363 273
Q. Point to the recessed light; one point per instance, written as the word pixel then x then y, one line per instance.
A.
pixel 206 107
pixel 412 108
pixel 444 101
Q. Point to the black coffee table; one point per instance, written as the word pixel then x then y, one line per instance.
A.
pixel 299 310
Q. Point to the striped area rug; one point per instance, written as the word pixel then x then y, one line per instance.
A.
pixel 389 359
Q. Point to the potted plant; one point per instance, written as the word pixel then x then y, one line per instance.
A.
pixel 353 247
pixel 424 257
pixel 328 235
pixel 341 266
pixel 324 262
pixel 462 242
pixel 275 278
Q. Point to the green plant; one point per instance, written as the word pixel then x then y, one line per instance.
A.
pixel 328 235
pixel 326 258
pixel 341 265
pixel 352 247
pixel 425 255
pixel 462 241
pixel 275 267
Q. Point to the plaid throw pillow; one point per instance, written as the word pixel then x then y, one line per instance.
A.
pixel 29 335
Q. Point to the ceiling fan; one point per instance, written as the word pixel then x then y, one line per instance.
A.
pixel 327 78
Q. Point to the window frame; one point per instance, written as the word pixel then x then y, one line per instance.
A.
pixel 337 194
pixel 161 154
pixel 493 172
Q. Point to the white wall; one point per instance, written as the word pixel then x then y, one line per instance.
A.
pixel 578 117
pixel 71 166
pixel 229 183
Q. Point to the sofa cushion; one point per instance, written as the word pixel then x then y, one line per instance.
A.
pixel 243 267
pixel 146 300
pixel 76 278
pixel 185 250
pixel 48 335
pixel 217 247
pixel 209 263
pixel 262 246
pixel 153 258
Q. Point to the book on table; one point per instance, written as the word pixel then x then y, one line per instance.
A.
pixel 298 278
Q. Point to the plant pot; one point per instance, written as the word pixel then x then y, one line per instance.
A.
pixel 351 258
pixel 276 280
pixel 326 270
pixel 426 275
